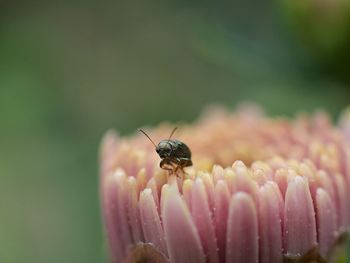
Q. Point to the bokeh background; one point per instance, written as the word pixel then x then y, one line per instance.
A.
pixel 71 70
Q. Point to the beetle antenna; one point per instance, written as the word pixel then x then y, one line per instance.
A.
pixel 171 134
pixel 148 137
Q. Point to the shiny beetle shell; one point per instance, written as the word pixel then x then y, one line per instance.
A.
pixel 175 154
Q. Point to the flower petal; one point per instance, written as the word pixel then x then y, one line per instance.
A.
pixel 187 192
pixel 242 230
pixel 133 211
pixel 202 217
pixel 243 181
pixel 300 225
pixel 151 224
pixel 209 187
pixel 270 228
pixel 218 173
pixel 182 238
pixel 229 176
pixel 326 220
pixel 116 215
pixel 108 147
pixel 153 186
pixel 281 180
pixel 222 198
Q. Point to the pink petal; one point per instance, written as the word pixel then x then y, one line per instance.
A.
pixel 270 228
pixel 325 182
pixel 243 181
pixel 326 220
pixel 230 178
pixel 342 201
pixel 202 217
pixel 280 202
pixel 345 159
pixel 242 230
pixel 133 211
pixel 151 225
pixel 153 186
pixel 281 179
pixel 141 180
pixel 182 238
pixel 163 196
pixel 222 198
pixel 218 173
pixel 264 171
pixel 300 225
pixel 187 192
pixel 259 176
pixel 109 146
pixel 116 215
pixel 306 171
pixel 209 187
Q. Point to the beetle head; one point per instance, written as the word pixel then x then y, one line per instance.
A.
pixel 164 149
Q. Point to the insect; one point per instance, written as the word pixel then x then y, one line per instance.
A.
pixel 175 154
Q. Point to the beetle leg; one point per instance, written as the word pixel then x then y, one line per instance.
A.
pixel 185 162
pixel 182 172
pixel 164 164
pixel 176 169
pixel 170 170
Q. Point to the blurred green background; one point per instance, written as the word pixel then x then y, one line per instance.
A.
pixel 70 70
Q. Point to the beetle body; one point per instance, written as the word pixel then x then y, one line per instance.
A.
pixel 175 154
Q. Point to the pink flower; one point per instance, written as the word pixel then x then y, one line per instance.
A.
pixel 285 197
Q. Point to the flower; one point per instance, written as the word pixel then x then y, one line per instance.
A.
pixel 284 198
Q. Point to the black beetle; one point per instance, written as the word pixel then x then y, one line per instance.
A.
pixel 175 154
